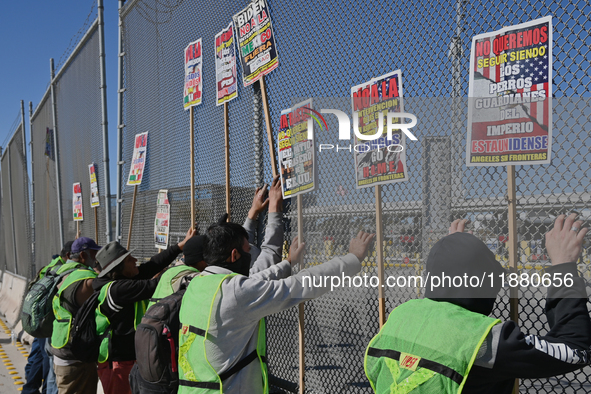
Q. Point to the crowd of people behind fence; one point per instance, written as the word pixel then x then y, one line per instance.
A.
pixel 192 318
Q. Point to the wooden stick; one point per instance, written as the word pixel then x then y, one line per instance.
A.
pixel 192 158
pixel 269 128
pixel 512 246
pixel 227 149
pixel 77 229
pixel 380 255
pixel 131 217
pixel 301 305
pixel 96 225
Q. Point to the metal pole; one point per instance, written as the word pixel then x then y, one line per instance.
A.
pixel 227 151
pixel 192 158
pixel 34 268
pixel 380 255
pixel 56 154
pixel 12 208
pixel 120 126
pixel 26 170
pixel 104 122
pixel 301 337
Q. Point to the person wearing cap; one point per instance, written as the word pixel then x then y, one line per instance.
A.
pixel 72 375
pixel 125 290
pixel 447 343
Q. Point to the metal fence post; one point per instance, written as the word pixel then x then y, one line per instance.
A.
pixel 120 90
pixel 105 123
pixel 34 268
pixel 56 153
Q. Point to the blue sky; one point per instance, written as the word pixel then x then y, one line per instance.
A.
pixel 32 32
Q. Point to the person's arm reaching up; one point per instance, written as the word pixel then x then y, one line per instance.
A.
pixel 272 247
pixel 566 347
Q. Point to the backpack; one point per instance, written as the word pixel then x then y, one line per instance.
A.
pixel 37 312
pixel 156 341
pixel 85 340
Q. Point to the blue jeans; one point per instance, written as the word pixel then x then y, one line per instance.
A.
pixel 51 382
pixel 36 368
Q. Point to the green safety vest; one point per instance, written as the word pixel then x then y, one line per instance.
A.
pixel 63 318
pixel 164 288
pixel 196 375
pixel 425 346
pixel 57 261
pixel 103 324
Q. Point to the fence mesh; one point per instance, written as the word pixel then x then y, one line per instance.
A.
pixel 322 54
pixel 79 129
pixel 7 215
pixel 15 206
pixel 46 219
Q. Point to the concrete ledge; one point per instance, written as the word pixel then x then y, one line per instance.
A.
pixel 12 294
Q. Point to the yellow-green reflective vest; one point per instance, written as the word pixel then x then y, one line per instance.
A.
pixel 425 346
pixel 103 324
pixel 164 288
pixel 196 375
pixel 63 318
pixel 57 261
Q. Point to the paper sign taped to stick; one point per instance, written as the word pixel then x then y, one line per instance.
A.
pixel 296 149
pixel 510 93
pixel 162 221
pixel 94 194
pixel 381 160
pixel 138 161
pixel 77 202
pixel 193 88
pixel 256 41
pixel 226 77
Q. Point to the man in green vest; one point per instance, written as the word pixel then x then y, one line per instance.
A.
pixel 222 345
pixel 446 343
pixel 269 254
pixel 72 375
pixel 57 260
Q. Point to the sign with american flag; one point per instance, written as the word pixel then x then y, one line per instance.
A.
pixel 510 93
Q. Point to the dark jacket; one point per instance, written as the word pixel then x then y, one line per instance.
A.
pixel 121 297
pixel 508 352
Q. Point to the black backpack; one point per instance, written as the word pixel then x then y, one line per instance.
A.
pixel 156 341
pixel 85 340
pixel 37 312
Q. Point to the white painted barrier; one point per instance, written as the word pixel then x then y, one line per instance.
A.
pixel 12 294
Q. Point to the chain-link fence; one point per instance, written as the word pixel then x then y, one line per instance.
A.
pixel 43 177
pixel 323 52
pixel 79 129
pixel 15 206
pixel 78 121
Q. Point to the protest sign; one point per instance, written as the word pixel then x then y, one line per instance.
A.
pixel 138 161
pixel 296 150
pixel 193 88
pixel 510 91
pixel 226 77
pixel 382 160
pixel 256 41
pixel 77 202
pixel 162 221
pixel 94 194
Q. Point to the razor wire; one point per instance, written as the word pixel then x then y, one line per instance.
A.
pixel 322 53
